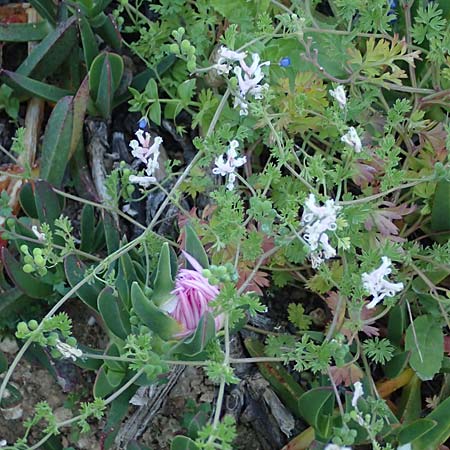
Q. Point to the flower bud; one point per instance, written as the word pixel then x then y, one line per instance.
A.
pixel 22 328
pixel 174 49
pixel 185 45
pixel 33 324
pixel 28 268
pixel 24 248
pixel 39 260
pixel 37 251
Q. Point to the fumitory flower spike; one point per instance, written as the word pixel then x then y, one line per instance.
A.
pixel 376 284
pixel 227 167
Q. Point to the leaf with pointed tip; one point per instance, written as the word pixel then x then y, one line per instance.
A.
pixel 27 201
pixel 80 104
pixel 27 283
pixel 195 248
pixel 48 204
pixel 29 87
pixel 151 316
pixel 76 272
pixel 57 139
pixel 104 79
pixel 315 406
pixel 114 313
pixel 51 52
pixel 164 283
pixel 46 9
pixel 23 32
pixel 88 41
pixel 105 26
pixel 196 343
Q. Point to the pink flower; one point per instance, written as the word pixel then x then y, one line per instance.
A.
pixel 191 298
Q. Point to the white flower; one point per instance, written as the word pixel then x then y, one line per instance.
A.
pixel 352 139
pixel 227 56
pixel 37 233
pixel 3 443
pixel 129 210
pixel 357 394
pixel 377 286
pixel 145 182
pixel 67 351
pixel 317 220
pixel 227 167
pixel 339 94
pixel 336 447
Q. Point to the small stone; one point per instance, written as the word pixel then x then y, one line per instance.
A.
pixel 9 345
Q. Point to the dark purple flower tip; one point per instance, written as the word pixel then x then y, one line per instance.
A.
pixel 285 62
pixel 143 123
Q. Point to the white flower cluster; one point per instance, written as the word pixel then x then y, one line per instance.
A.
pixel 317 220
pixel 227 167
pixel 336 447
pixel 148 154
pixel 249 77
pixel 351 138
pixel 379 287
pixel 67 351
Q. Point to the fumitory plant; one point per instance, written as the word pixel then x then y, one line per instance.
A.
pixel 318 164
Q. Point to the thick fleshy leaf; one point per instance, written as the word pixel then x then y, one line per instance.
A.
pixel 27 201
pixel 23 32
pixel 438 434
pixel 48 205
pixel 196 343
pixel 316 407
pixel 104 79
pixel 151 316
pixel 89 43
pixel 410 406
pixel 27 283
pixel 51 52
pixel 57 141
pixel 164 283
pixel 114 313
pixel 46 9
pixel 195 248
pixel 30 87
pixel 105 26
pixel 102 385
pixel 87 228
pixel 440 211
pixel 75 272
pixel 80 104
pixel 426 344
pixel 415 430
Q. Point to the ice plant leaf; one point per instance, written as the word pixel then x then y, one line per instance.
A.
pixel 23 32
pixel 51 52
pixel 151 316
pixel 75 272
pixel 195 248
pixel 164 281
pixel 104 79
pixel 90 47
pixel 57 139
pixel 438 434
pixel 27 86
pixel 315 405
pixel 114 313
pixel 415 430
pixel 196 343
pixel 426 344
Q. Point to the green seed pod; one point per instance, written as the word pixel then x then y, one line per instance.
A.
pixel 28 268
pixel 213 280
pixel 191 65
pixel 130 189
pixel 39 260
pixel 185 45
pixel 22 328
pixel 174 49
pixel 28 259
pixel 52 339
pixel 24 248
pixel 222 270
pixel 71 341
pixel 126 172
pixel 37 251
pixel 33 324
pixel 206 273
